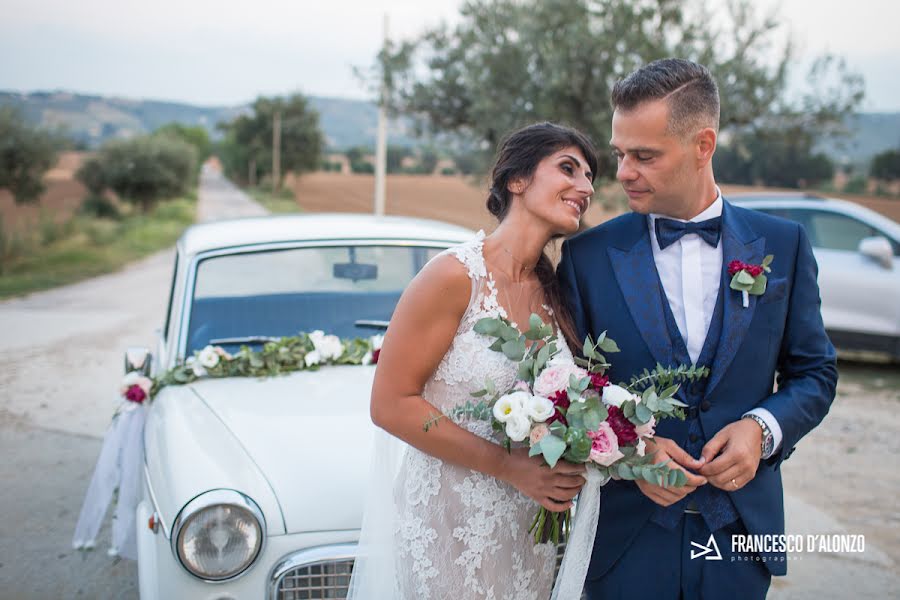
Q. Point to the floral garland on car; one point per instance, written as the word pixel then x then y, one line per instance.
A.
pixel 117 475
pixel 303 352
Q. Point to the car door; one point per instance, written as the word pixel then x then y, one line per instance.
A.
pixel 859 294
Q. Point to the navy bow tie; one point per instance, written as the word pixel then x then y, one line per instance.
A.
pixel 669 231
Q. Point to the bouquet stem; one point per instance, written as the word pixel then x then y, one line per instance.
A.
pixel 547 525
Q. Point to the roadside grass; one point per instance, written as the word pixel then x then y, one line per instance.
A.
pixel 86 246
pixel 282 201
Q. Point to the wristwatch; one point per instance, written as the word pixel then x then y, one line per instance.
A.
pixel 768 440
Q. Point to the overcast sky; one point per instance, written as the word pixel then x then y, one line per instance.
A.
pixel 226 52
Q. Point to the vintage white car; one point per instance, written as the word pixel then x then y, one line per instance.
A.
pixel 253 488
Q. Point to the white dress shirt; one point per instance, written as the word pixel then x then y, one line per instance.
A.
pixel 691 272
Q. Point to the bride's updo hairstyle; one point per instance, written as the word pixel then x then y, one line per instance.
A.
pixel 517 159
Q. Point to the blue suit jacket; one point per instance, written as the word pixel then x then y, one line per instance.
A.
pixel 610 281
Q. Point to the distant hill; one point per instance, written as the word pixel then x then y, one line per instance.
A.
pixel 346 123
pixel 92 120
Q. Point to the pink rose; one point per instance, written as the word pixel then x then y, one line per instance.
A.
pixel 605 447
pixel 538 432
pixel 648 429
pixel 555 379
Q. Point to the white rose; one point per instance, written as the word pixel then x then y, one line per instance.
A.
pixel 312 358
pixel 208 357
pixel 614 395
pixel 195 366
pixel 329 347
pixel 376 340
pixel 539 409
pixel 511 405
pixel 518 427
pixel 367 358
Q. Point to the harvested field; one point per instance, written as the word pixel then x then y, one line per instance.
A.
pixel 451 199
pixel 61 198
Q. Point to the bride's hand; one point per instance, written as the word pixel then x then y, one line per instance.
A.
pixel 551 488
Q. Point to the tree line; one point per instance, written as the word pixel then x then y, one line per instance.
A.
pixel 504 64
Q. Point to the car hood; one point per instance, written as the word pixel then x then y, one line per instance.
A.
pixel 309 433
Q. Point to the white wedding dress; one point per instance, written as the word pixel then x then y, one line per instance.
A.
pixel 457 533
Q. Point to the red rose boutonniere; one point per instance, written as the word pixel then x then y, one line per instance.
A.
pixel 749 279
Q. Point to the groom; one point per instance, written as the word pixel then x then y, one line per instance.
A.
pixel 657 281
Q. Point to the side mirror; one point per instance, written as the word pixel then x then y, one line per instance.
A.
pixel 138 359
pixel 878 249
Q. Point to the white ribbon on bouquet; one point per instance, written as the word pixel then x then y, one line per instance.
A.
pixel 118 467
pixel 570 581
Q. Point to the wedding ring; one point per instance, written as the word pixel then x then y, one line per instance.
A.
pixel 734 483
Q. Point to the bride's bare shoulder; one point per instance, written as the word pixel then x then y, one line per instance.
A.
pixel 444 281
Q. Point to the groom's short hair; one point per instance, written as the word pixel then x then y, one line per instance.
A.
pixel 688 88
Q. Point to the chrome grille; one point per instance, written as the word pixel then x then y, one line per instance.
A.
pixel 329 579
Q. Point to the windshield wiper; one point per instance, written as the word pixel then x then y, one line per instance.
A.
pixel 250 339
pixel 372 324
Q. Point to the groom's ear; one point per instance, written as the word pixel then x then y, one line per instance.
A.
pixel 705 146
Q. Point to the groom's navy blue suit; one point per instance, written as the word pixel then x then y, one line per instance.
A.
pixel 610 280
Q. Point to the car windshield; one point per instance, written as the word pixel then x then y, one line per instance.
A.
pixel 342 290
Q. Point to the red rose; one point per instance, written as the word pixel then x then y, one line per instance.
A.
pixel 735 267
pixel 623 428
pixel 599 381
pixel 135 394
pixel 754 270
pixel 561 401
pixel 375 355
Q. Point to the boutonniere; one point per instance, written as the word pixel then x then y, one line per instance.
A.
pixel 749 279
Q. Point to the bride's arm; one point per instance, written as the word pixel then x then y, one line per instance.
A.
pixel 421 330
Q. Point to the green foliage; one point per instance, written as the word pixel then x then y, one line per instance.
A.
pixel 508 63
pixel 26 154
pixel 98 205
pixel 773 158
pixel 196 136
pixel 142 170
pixel 279 357
pixel 886 166
pixel 856 185
pixel 665 377
pixel 86 246
pixel 247 144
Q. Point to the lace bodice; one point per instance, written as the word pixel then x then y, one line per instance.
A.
pixel 461 533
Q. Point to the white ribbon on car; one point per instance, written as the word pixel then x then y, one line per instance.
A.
pixel 118 467
pixel 580 544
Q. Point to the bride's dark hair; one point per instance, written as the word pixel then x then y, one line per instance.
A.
pixel 517 159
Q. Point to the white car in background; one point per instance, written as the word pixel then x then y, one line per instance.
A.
pixel 253 488
pixel 858 252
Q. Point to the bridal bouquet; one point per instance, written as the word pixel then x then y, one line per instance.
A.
pixel 573 412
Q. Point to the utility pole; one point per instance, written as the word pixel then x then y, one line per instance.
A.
pixel 381 141
pixel 276 151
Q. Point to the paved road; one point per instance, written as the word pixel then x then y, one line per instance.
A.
pixel 60 363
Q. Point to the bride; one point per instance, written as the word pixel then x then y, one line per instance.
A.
pixel 453 516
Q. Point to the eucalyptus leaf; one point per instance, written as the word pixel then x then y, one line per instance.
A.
pixel 759 286
pixel 488 326
pixel 552 447
pixel 642 412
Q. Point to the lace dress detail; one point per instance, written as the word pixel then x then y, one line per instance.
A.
pixel 462 534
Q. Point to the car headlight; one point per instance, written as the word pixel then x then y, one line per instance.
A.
pixel 218 535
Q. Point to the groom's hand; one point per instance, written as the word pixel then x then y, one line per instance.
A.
pixel 666 449
pixel 732 455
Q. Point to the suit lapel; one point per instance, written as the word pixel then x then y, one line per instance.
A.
pixel 739 242
pixel 638 280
